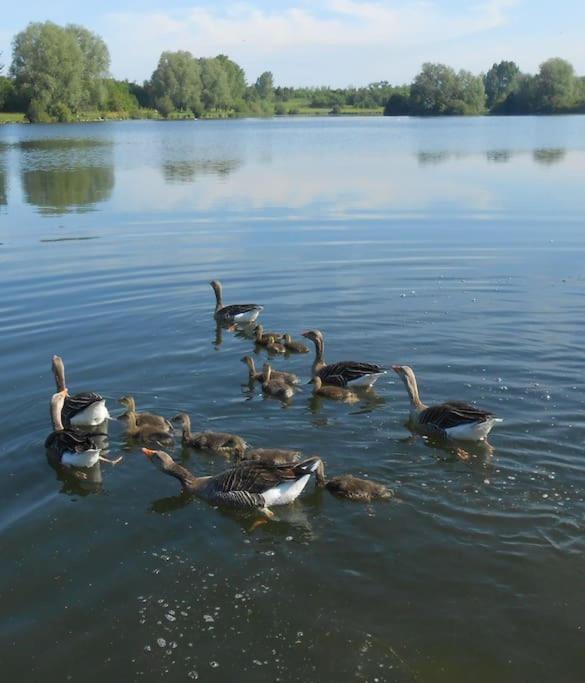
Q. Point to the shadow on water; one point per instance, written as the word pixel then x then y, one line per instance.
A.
pixel 66 175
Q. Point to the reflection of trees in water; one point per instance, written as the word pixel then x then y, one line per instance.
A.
pixel 549 155
pixel 431 158
pixel 186 171
pixel 3 181
pixel 62 175
pixel 499 156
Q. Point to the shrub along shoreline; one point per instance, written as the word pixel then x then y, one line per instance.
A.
pixel 61 73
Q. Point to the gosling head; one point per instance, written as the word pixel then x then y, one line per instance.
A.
pixel 128 402
pixel 249 361
pixel 267 371
pixel 181 417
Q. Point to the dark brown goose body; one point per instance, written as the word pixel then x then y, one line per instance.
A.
pixel 335 393
pixel 219 442
pixel 74 405
pixel 262 337
pixel 70 440
pixel 274 387
pixel 234 312
pixel 452 414
pixel 343 372
pixel 249 485
pixel 148 433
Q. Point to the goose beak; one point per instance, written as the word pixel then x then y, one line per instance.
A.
pixel 148 452
pixel 305 334
pixel 397 369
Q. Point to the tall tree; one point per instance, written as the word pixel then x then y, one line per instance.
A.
pixel 500 81
pixel 555 85
pixel 176 83
pixel 58 69
pixel 264 86
pixel 216 91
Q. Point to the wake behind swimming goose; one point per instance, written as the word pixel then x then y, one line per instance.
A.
pixel 235 313
pixel 452 419
pixel 86 409
pixel 344 372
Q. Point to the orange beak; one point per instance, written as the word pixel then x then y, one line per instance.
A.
pixel 397 368
pixel 148 452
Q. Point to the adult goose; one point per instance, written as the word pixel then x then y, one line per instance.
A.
pixel 218 442
pixel 342 373
pixel 71 446
pixel 453 419
pixel 254 376
pixel 250 485
pixel 143 418
pixel 81 410
pixel 235 313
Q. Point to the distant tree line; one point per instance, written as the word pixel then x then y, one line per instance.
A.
pixel 61 73
pixel 438 90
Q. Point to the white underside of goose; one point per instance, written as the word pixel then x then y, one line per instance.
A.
pixel 366 380
pixel 472 431
pixel 248 317
pixel 84 459
pixel 285 493
pixel 94 414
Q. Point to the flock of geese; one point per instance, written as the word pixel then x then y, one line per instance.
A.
pixel 261 478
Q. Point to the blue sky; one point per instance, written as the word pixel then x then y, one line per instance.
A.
pixel 337 42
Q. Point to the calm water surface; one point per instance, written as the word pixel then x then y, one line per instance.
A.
pixel 456 246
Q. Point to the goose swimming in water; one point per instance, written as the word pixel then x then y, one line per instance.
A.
pixel 276 387
pixel 254 376
pixel 70 445
pixel 250 485
pixel 86 409
pixel 218 442
pixel 235 313
pixel 452 419
pixel 334 392
pixel 143 418
pixel 342 373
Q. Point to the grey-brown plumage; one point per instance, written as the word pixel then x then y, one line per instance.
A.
pixel 80 447
pixel 249 485
pixel 143 418
pixel 148 433
pixel 293 346
pixel 74 404
pixel 275 456
pixel 262 336
pixel 334 392
pixel 353 488
pixel 275 387
pixel 218 442
pixel 234 312
pixel 343 372
pixel 287 377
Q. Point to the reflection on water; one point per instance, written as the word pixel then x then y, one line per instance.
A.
pixel 188 171
pixel 549 156
pixel 498 156
pixel 63 175
pixel 3 179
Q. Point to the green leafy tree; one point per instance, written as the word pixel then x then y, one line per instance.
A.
pixel 176 83
pixel 555 86
pixel 58 70
pixel 264 86
pixel 216 92
pixel 439 90
pixel 500 81
pixel 236 77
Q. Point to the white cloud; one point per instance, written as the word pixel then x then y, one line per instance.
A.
pixel 262 39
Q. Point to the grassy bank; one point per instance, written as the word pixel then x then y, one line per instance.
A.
pixel 9 117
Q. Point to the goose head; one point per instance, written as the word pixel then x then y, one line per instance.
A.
pixel 314 335
pixel 128 402
pixel 160 459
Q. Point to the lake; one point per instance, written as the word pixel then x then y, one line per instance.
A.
pixel 456 246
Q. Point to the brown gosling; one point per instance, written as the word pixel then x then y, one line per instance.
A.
pixel 218 442
pixel 274 387
pixel 332 392
pixel 353 488
pixel 288 377
pixel 147 433
pixel 294 346
pixel 264 338
pixel 274 456
pixel 143 418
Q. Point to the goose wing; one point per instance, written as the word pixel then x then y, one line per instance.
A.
pixel 237 309
pixel 452 414
pixel 70 440
pixel 78 402
pixel 339 374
